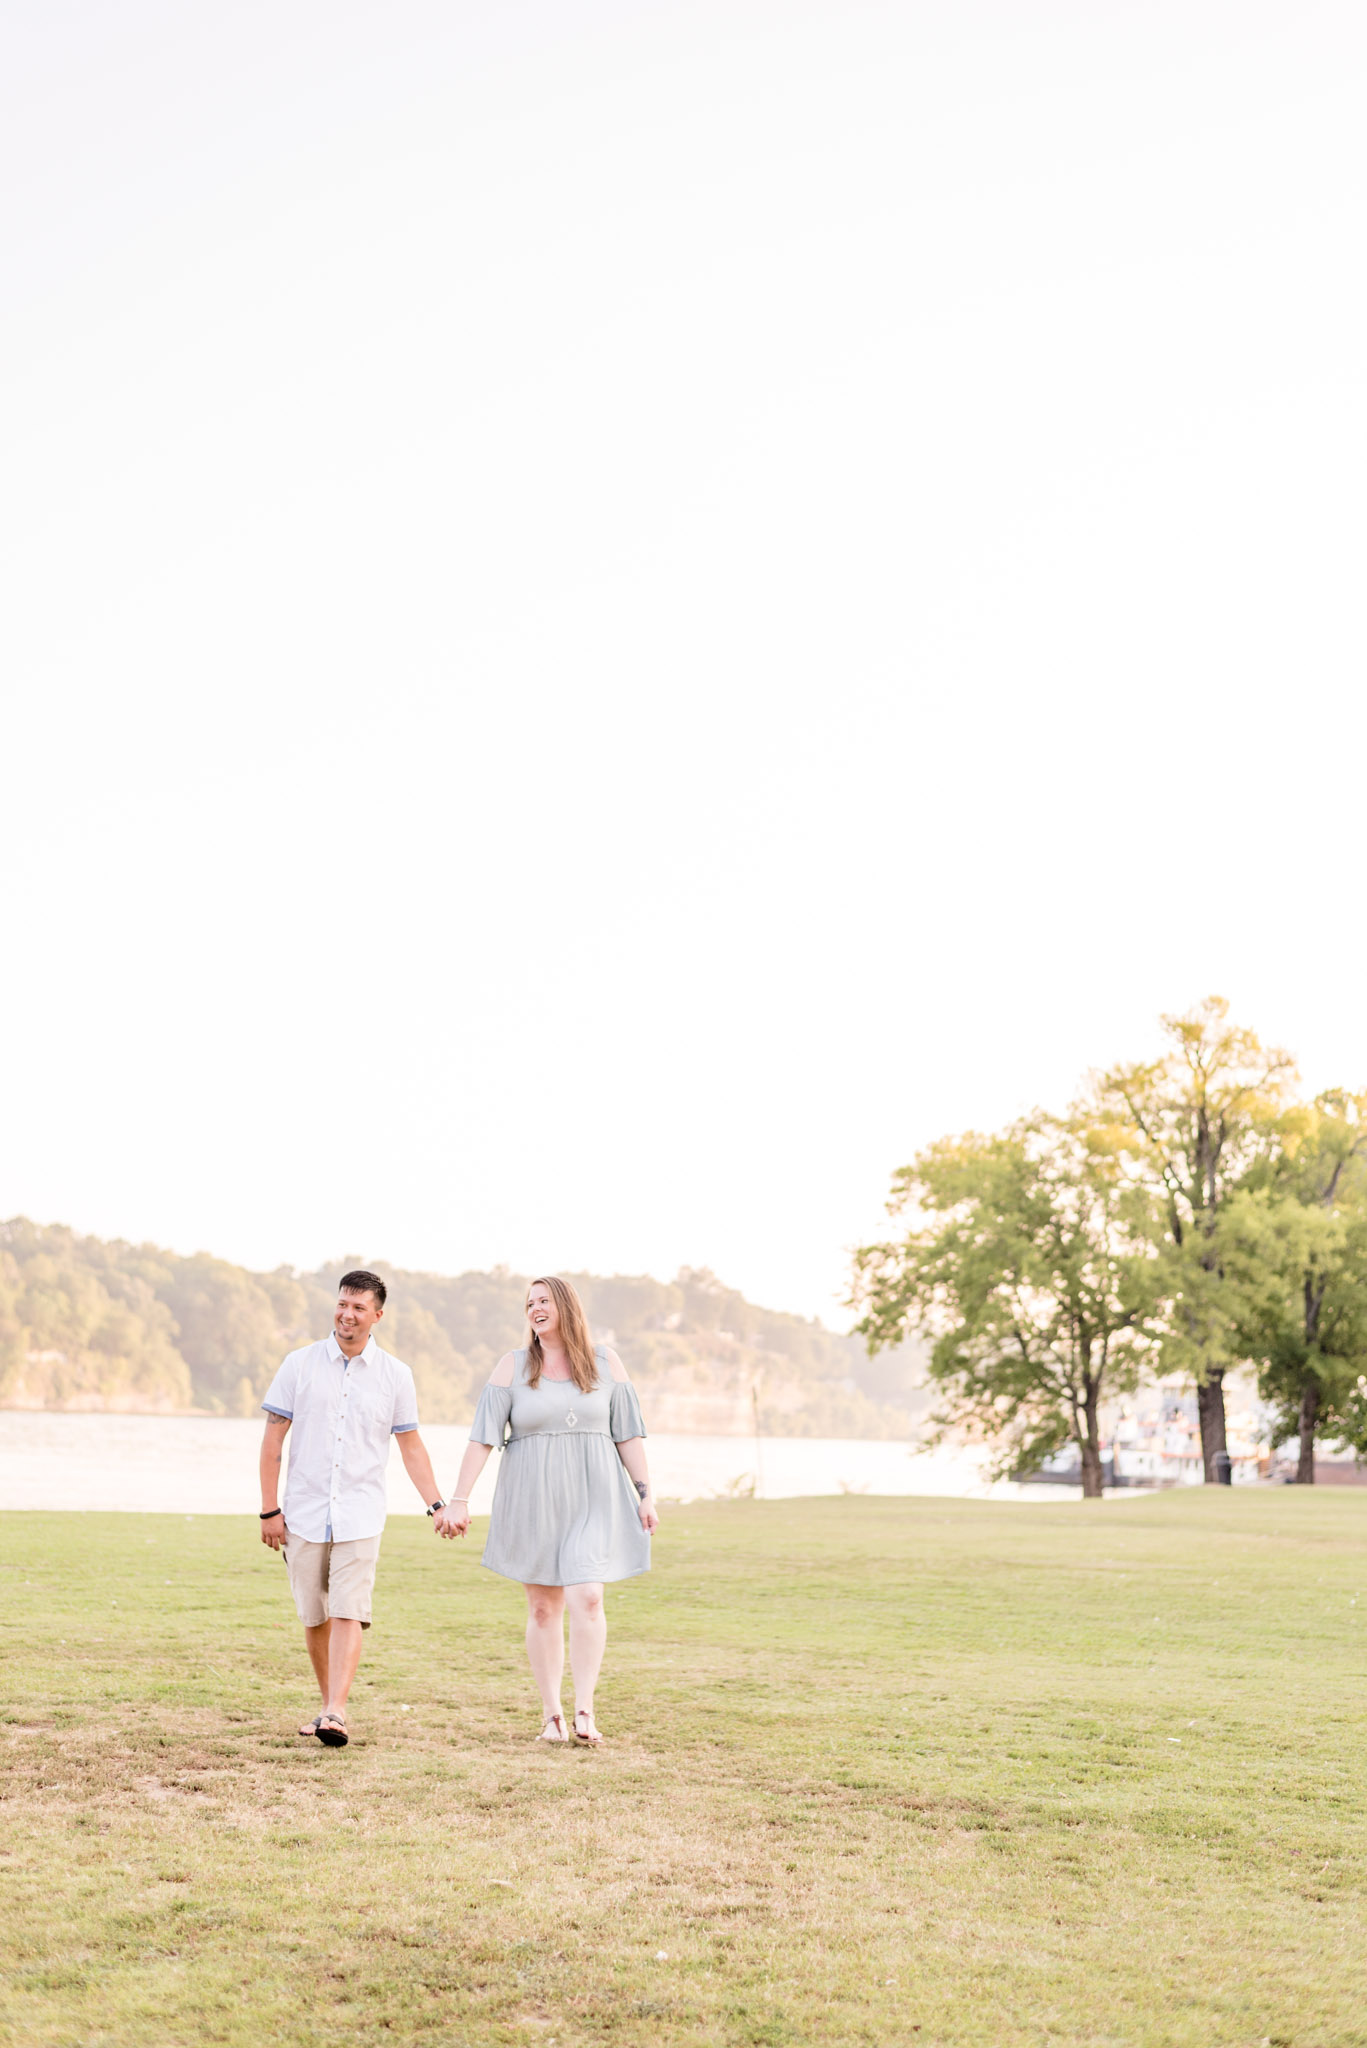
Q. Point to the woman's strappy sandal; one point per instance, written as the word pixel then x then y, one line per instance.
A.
pixel 589 1736
pixel 553 1721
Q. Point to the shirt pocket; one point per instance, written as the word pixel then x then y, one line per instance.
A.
pixel 370 1416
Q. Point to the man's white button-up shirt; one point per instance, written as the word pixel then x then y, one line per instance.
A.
pixel 342 1413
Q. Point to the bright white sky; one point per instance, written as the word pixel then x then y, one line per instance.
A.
pixel 619 614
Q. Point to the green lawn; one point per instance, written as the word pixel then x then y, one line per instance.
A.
pixel 880 1772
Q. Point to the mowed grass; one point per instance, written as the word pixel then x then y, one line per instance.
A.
pixel 880 1772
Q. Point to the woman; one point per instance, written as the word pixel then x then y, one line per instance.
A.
pixel 570 1511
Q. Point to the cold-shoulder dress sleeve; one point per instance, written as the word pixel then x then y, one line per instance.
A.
pixel 495 1406
pixel 624 1414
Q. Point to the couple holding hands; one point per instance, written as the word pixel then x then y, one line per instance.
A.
pixel 572 1509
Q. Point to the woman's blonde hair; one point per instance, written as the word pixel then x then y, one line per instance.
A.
pixel 574 1335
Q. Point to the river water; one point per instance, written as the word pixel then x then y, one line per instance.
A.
pixel 194 1464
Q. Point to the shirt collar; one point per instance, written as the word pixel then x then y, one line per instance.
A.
pixel 339 1357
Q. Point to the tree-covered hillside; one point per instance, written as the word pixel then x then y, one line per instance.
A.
pixel 86 1324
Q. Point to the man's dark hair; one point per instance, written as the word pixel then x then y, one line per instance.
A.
pixel 361 1282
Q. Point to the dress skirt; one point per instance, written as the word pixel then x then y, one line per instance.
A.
pixel 565 1511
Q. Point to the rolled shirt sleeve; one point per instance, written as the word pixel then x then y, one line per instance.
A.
pixel 280 1394
pixel 624 1413
pixel 491 1416
pixel 405 1405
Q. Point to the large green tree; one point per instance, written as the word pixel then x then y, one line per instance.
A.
pixel 1032 1263
pixel 1196 1126
pixel 1295 1246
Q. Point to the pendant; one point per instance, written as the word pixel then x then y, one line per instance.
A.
pixel 570 1418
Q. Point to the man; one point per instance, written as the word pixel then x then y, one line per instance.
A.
pixel 344 1399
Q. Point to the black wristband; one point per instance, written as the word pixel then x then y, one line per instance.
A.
pixel 271 1513
pixel 435 1506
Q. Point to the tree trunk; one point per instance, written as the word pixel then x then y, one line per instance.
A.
pixel 1310 1408
pixel 1091 1469
pixel 1210 1406
pixel 1091 1449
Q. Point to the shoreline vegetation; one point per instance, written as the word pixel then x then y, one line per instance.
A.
pixel 92 1326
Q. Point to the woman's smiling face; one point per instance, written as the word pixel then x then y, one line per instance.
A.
pixel 542 1313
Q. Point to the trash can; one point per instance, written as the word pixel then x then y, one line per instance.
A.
pixel 1222 1469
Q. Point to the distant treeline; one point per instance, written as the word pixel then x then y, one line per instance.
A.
pixel 89 1324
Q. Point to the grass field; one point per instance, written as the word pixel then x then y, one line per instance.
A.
pixel 880 1772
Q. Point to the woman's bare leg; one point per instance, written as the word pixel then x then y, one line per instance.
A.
pixel 546 1642
pixel 588 1640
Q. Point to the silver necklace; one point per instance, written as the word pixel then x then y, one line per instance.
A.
pixel 571 1419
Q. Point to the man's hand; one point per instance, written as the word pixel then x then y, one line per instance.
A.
pixel 273 1530
pixel 453 1520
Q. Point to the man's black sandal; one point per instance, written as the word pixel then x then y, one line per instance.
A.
pixel 336 1737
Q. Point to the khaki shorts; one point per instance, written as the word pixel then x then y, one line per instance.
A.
pixel 332 1581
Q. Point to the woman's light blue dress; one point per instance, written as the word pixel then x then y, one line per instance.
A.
pixel 565 1511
